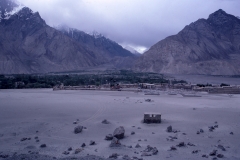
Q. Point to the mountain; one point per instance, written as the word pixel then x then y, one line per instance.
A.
pixel 29 45
pixel 115 55
pixel 133 51
pixel 207 46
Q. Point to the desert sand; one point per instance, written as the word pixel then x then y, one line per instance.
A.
pixel 46 117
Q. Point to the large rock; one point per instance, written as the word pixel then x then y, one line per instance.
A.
pixel 115 142
pixel 78 129
pixel 119 132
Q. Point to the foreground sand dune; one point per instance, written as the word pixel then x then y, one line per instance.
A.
pixel 49 115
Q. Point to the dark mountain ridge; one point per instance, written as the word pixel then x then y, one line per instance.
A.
pixel 29 45
pixel 207 46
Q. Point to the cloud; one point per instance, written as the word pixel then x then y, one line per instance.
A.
pixel 139 23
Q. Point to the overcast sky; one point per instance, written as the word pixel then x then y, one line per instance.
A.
pixel 137 23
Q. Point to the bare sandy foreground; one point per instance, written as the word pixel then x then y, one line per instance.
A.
pixel 46 117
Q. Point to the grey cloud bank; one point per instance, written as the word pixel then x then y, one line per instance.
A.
pixel 135 23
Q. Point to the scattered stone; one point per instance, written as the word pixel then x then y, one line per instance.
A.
pixel 137 146
pixel 132 133
pixel 115 142
pixel 139 128
pixel 214 158
pixel 216 126
pixel 29 138
pixel 190 144
pixel 4 156
pixel 133 126
pixel 129 146
pixel 83 145
pixel 198 132
pixel 66 153
pixel 181 144
pixel 216 122
pixel 145 140
pixel 175 131
pixel 171 138
pixel 109 137
pixel 220 155
pixel 173 148
pixel 36 137
pixel 43 145
pixel 114 155
pixel 151 150
pixel 105 121
pixel 231 133
pixel 148 100
pixel 24 139
pixel 201 130
pixel 77 119
pixel 146 154
pixel 78 129
pixel 169 129
pixel 37 140
pixel 70 149
pixel 92 143
pixel 119 132
pixel 139 140
pixel 184 133
pixel 153 133
pixel 205 156
pixel 221 147
pixel 37 131
pixel 75 122
pixel 195 151
pixel 213 153
pixel 211 128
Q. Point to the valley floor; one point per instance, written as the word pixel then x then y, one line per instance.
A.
pixel 46 117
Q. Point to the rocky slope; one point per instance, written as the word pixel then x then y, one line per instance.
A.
pixel 207 46
pixel 29 45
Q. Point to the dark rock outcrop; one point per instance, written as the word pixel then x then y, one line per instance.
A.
pixel 119 132
pixel 78 129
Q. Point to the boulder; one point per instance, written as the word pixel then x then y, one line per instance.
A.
pixel 105 121
pixel 92 143
pixel 169 129
pixel 137 146
pixel 78 129
pixel 115 142
pixel 109 137
pixel 119 132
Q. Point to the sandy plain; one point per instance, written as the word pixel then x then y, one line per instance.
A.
pixel 49 115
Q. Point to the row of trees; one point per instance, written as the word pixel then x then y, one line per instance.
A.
pixel 50 80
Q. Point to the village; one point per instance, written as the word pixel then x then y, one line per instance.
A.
pixel 172 88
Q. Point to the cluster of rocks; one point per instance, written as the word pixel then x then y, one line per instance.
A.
pixel 215 154
pixel 212 128
pixel 170 129
pixel 77 150
pixel 200 131
pixel 149 151
pixel 76 122
pixel 25 139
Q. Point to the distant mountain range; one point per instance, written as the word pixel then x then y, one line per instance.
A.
pixel 207 46
pixel 28 45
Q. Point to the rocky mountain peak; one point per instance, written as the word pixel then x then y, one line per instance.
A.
pixel 220 18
